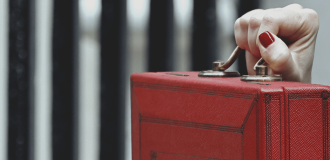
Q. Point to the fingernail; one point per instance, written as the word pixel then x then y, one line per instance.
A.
pixel 266 39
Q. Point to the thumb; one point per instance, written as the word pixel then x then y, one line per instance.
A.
pixel 277 54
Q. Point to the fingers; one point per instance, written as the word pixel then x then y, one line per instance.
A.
pixel 290 23
pixel 254 25
pixel 284 37
pixel 242 27
pixel 278 56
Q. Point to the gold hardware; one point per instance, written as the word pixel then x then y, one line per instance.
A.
pixel 220 70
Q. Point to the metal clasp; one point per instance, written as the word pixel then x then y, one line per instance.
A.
pixel 220 70
pixel 261 73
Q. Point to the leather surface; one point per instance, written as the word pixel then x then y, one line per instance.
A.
pixel 194 118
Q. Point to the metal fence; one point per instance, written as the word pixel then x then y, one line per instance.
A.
pixel 44 80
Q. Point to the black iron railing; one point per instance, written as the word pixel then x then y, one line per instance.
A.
pixel 113 67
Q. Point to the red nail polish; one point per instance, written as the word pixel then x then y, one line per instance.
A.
pixel 266 39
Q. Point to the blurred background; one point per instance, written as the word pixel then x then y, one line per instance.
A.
pixel 65 66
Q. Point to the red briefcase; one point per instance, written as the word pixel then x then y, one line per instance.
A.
pixel 181 116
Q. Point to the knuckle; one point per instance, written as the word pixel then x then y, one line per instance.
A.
pixel 298 18
pixel 311 17
pixel 297 5
pixel 254 22
pixel 311 14
pixel 244 23
pixel 268 19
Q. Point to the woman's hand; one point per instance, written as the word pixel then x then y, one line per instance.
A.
pixel 283 37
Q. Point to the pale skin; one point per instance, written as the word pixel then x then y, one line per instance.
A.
pixel 294 29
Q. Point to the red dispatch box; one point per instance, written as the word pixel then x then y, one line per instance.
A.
pixel 194 118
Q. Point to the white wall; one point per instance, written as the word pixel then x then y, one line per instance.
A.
pixel 42 83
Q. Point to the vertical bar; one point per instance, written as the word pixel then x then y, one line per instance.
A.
pixel 42 118
pixel 113 45
pixel 4 75
pixel 64 81
pixel 161 31
pixel 31 81
pixel 245 6
pixel 20 88
pixel 205 40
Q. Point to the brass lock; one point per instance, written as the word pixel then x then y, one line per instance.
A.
pixel 220 70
